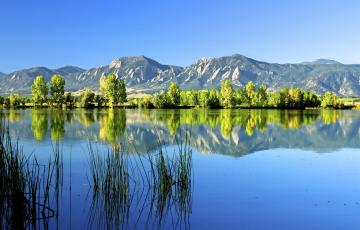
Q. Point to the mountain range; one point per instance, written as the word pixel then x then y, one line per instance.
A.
pixel 145 75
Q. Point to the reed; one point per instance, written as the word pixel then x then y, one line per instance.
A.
pixel 24 186
pixel 110 182
pixel 151 186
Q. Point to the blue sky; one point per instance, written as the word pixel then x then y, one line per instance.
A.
pixel 92 33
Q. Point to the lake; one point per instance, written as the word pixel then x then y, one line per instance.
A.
pixel 198 168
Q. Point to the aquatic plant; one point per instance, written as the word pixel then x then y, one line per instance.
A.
pixel 110 181
pixel 148 188
pixel 25 185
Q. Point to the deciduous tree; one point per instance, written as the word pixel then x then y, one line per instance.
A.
pixel 57 89
pixel 174 94
pixel 226 94
pixel 39 90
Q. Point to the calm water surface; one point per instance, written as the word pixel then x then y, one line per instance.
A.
pixel 250 169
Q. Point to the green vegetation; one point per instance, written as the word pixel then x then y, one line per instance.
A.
pixel 112 94
pixel 331 100
pixel 39 91
pixel 14 100
pixel 87 98
pixel 227 94
pixel 26 187
pixel 70 100
pixel 113 89
pixel 247 97
pixel 174 94
pixel 57 89
pixel 161 100
pixel 119 183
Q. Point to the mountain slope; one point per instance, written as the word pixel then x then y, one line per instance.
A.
pixel 138 72
pixel 209 72
pixel 21 81
pixel 144 74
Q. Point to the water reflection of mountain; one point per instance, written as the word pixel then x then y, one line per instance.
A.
pixel 230 132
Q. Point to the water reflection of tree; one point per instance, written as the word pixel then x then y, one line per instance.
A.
pixel 14 115
pixel 293 119
pixel 226 122
pixel 57 124
pixel 39 123
pixel 112 122
pixel 227 119
pixel 87 117
pixel 112 125
pixel 330 116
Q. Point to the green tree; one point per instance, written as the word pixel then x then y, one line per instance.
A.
pixel 311 100
pixel 39 91
pixel 260 98
pixel 189 98
pixel 69 100
pixel 193 98
pixel 331 100
pixel 161 100
pixel 203 98
pixel 241 98
pixel 226 94
pixel 214 99
pixel 250 91
pixel 184 98
pixel 7 102
pixel 98 100
pixel 14 100
pixel 103 86
pixel 174 94
pixel 274 99
pixel 87 98
pixel 57 89
pixel 296 97
pixel 112 89
pixel 146 102
pixel 122 91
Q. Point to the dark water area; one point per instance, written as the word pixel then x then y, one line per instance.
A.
pixel 198 168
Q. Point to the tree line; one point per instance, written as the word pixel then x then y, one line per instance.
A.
pixel 246 97
pixel 52 94
pixel 113 93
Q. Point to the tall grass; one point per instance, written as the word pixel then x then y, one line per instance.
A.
pixel 110 181
pixel 24 186
pixel 146 188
